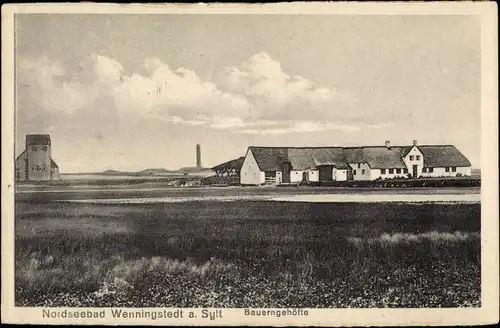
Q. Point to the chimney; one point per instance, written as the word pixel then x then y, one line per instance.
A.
pixel 388 144
pixel 198 156
pixel 414 142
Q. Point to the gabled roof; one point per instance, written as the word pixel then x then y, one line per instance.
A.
pixel 232 164
pixel 377 157
pixel 38 139
pixel 354 155
pixel 300 158
pixel 383 157
pixel 333 156
pixel 53 164
pixel 270 158
pixel 443 156
pixel 21 155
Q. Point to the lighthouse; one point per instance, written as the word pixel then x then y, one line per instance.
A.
pixel 198 156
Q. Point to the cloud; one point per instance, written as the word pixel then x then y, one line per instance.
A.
pixel 275 94
pixel 175 93
pixel 180 120
pixel 108 70
pixel 42 84
pixel 255 97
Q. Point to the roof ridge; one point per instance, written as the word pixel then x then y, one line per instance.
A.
pixel 294 147
pixel 376 156
pixel 448 145
pixel 350 147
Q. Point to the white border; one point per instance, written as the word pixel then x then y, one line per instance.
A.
pixel 488 313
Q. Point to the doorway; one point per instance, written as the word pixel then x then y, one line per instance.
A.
pixel 286 172
pixel 325 173
pixel 415 170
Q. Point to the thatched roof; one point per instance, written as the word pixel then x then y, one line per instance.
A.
pixel 232 164
pixel 270 158
pixel 377 157
pixel 442 156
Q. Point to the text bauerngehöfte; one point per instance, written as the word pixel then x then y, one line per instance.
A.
pixel 276 313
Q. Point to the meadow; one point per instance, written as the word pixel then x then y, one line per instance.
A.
pixel 247 254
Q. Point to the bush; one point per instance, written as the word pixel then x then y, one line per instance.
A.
pixel 215 180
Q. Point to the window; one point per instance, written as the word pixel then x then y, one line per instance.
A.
pixel 354 172
pixel 362 171
pixel 453 169
pixel 418 157
pixel 33 148
pixel 391 171
pixel 447 169
pixel 44 148
pixel 411 158
pixel 359 165
pixel 405 170
pixel 382 171
pixel 430 169
pixel 398 171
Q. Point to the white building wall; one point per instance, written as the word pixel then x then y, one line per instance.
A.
pixel 361 171
pixel 279 177
pixel 250 173
pixel 55 173
pixel 314 175
pixel 21 167
pixel 394 174
pixel 441 172
pixel 375 174
pixel 39 168
pixel 339 175
pixel 296 176
pixel 419 162
pixel 465 170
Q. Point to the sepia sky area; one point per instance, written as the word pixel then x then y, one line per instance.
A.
pixel 131 92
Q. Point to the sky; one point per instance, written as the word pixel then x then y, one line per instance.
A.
pixel 130 92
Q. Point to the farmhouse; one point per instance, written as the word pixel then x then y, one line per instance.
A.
pixel 35 163
pixel 282 165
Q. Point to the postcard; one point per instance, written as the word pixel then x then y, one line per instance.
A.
pixel 286 164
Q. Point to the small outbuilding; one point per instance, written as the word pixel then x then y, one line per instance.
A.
pixel 229 168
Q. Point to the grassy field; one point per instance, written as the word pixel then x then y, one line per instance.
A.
pixel 246 254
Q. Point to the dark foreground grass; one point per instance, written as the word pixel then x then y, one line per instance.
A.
pixel 248 254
